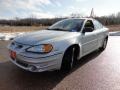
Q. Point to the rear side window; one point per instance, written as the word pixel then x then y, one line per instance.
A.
pixel 97 24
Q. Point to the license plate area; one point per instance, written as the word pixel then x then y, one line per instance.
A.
pixel 13 55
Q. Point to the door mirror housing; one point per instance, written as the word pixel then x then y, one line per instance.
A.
pixel 87 29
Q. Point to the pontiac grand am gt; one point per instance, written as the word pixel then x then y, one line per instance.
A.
pixel 59 46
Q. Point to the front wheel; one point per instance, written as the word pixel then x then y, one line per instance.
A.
pixel 69 59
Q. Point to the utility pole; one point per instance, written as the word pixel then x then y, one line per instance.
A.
pixel 92 13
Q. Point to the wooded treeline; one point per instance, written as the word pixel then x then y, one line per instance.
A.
pixel 30 22
pixel 113 19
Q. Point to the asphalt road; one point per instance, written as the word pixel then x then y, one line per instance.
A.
pixel 96 71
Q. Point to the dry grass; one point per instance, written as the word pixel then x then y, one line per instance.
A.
pixel 8 29
pixel 114 28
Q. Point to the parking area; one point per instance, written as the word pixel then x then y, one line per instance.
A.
pixel 96 71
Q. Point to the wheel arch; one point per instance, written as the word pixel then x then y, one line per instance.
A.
pixel 77 51
pixel 77 48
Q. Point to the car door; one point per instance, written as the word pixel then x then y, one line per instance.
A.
pixel 89 39
pixel 100 31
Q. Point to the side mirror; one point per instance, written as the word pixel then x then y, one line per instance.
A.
pixel 87 29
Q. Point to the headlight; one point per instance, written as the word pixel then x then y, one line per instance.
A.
pixel 45 48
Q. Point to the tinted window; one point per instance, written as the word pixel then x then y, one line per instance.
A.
pixel 97 24
pixel 89 24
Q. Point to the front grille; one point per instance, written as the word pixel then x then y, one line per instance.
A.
pixel 17 45
pixel 22 63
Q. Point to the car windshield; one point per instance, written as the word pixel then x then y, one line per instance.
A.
pixel 72 25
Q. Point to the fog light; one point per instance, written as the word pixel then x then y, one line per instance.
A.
pixel 33 68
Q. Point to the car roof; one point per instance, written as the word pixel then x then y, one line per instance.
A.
pixel 82 18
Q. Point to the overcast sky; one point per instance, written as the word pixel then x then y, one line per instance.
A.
pixel 10 9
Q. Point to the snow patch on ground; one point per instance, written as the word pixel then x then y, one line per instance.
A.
pixel 10 36
pixel 117 33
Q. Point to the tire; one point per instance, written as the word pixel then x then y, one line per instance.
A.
pixel 69 60
pixel 104 45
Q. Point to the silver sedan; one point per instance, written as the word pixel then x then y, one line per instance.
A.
pixel 60 46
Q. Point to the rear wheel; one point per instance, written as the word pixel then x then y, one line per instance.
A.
pixel 104 44
pixel 69 59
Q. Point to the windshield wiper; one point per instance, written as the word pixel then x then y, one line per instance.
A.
pixel 59 29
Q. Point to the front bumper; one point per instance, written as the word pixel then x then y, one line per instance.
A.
pixel 49 63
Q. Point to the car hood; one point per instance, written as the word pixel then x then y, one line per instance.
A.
pixel 33 38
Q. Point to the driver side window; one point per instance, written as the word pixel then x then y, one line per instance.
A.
pixel 89 24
